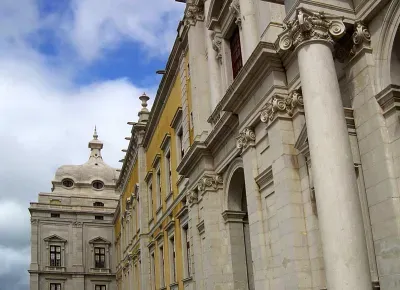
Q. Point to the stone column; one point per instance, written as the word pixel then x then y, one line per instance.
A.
pixel 201 110
pixel 245 13
pixel 339 211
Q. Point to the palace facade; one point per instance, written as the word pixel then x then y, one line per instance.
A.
pixel 270 157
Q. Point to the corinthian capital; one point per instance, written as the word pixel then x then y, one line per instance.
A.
pixel 361 38
pixel 245 139
pixel 209 182
pixel 309 25
pixel 282 104
pixel 193 13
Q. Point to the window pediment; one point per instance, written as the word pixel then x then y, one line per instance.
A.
pixel 55 238
pixel 99 240
pixel 156 160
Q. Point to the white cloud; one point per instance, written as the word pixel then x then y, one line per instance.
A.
pixel 98 25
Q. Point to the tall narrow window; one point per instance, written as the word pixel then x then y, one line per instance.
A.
pixel 168 172
pixel 100 287
pixel 180 144
pixel 55 286
pixel 172 258
pixel 99 257
pixel 55 256
pixel 138 214
pixel 158 177
pixel 153 271
pixel 150 193
pixel 162 280
pixel 186 248
pixel 236 52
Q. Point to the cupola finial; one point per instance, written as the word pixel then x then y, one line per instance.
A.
pixel 95 136
pixel 144 112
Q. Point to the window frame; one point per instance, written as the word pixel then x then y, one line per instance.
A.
pixel 161 264
pixel 236 51
pixel 172 258
pixel 55 262
pixel 97 264
pixel 55 286
pixel 100 287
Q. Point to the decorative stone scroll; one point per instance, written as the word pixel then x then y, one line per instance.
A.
pixel 234 8
pixel 309 25
pixel 245 139
pixel 361 38
pixel 209 182
pixel 193 13
pixel 191 197
pixel 281 104
pixel 217 46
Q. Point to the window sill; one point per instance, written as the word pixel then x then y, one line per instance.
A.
pixel 151 220
pixel 169 196
pixel 163 288
pixel 55 269
pixel 159 209
pixel 100 270
pixel 174 286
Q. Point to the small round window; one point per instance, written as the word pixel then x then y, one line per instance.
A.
pixel 67 183
pixel 97 184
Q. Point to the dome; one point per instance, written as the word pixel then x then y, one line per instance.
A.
pixel 95 173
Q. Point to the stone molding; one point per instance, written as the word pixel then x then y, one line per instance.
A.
pixel 389 99
pixel 34 221
pixel 209 182
pixel 77 224
pixel 234 9
pixel 361 38
pixel 246 139
pixel 265 178
pixel 191 197
pixel 217 46
pixel 310 25
pixel 233 216
pixel 282 105
pixel 193 13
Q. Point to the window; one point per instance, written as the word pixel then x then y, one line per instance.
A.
pixel 100 287
pixel 158 179
pixel 172 258
pixel 98 203
pixel 55 215
pixel 236 53
pixel 186 253
pixel 97 184
pixel 162 280
pixel 55 286
pixel 67 183
pixel 180 144
pixel 55 256
pixel 168 171
pixel 153 272
pixel 99 257
pixel 150 193
pixel 99 217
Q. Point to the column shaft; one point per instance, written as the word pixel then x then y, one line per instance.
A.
pixel 249 27
pixel 339 210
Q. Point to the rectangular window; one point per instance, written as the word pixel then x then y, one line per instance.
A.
pixel 99 257
pixel 172 258
pixel 186 248
pixel 100 287
pixel 158 180
pixel 168 171
pixel 55 215
pixel 236 52
pixel 99 217
pixel 162 280
pixel 55 256
pixel 55 286
pixel 150 193
pixel 181 151
pixel 153 271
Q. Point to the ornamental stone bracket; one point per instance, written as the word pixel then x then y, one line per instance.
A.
pixel 234 9
pixel 193 13
pixel 361 38
pixel 217 46
pixel 209 182
pixel 282 105
pixel 310 25
pixel 191 198
pixel 246 138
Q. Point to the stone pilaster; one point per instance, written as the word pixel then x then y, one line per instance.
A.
pixel 77 247
pixel 341 226
pixel 34 244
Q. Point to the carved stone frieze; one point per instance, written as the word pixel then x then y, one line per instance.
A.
pixel 309 25
pixel 209 182
pixel 234 8
pixel 217 46
pixel 77 224
pixel 193 13
pixel 191 197
pixel 361 38
pixel 245 139
pixel 282 104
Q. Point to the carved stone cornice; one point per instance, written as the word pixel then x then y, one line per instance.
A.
pixel 217 44
pixel 246 138
pixel 234 8
pixel 193 13
pixel 282 104
pixel 209 182
pixel 361 38
pixel 191 197
pixel 310 25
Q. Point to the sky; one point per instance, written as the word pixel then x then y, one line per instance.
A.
pixel 66 66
